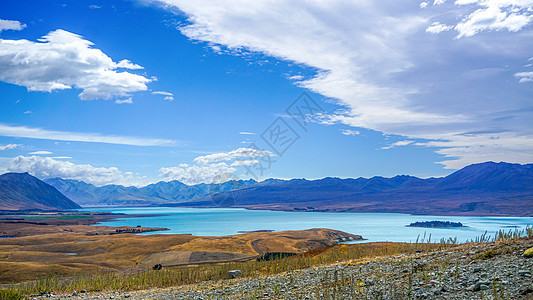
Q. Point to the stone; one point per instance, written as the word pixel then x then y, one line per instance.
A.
pixel 528 253
pixel 483 287
pixel 234 274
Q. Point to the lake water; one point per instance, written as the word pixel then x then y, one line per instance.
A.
pixel 372 226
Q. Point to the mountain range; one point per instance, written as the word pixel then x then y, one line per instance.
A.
pixel 479 189
pixel 160 193
pixel 21 191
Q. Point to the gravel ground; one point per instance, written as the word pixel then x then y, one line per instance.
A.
pixel 487 271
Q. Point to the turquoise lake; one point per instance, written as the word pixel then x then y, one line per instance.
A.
pixel 372 226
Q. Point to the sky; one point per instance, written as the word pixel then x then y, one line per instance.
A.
pixel 134 92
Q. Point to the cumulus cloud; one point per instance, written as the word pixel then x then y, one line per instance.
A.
pixel 9 147
pixel 489 15
pixel 241 153
pixel 390 76
pixel 196 174
pixel 44 134
pixel 41 153
pixel 11 25
pixel 64 60
pixel 214 168
pixel 47 167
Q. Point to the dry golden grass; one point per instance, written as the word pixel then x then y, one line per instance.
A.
pixel 283 241
pixel 28 258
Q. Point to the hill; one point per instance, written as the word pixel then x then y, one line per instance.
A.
pixel 21 191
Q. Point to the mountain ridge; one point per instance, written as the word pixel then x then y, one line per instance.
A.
pixel 484 189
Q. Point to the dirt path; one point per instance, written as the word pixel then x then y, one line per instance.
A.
pixel 254 244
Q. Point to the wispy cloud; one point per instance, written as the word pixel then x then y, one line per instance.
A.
pixel 168 96
pixel 349 132
pixel 398 143
pixel 9 146
pixel 42 152
pixel 39 133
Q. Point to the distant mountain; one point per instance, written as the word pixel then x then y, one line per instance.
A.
pixel 21 191
pixel 161 193
pixel 480 189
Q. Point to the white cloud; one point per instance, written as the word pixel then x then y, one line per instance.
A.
pixel 47 167
pixel 124 101
pixel 11 25
pixel 490 15
pixel 43 134
pixel 214 168
pixel 9 146
pixel 437 27
pixel 398 144
pixel 349 132
pixel 28 112
pixel 63 60
pixel 296 77
pixel 62 157
pixel 246 133
pixel 162 93
pixel 168 96
pixel 232 155
pixel 524 76
pixel 41 153
pixel 386 74
pixel 196 174
pixel 423 4
pixel 240 163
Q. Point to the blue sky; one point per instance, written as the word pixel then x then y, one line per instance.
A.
pixel 134 92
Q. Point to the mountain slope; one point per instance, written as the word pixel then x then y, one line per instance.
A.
pixel 21 191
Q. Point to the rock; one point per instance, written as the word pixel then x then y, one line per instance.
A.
pixel 524 273
pixel 127 295
pixel 234 274
pixel 474 287
pixel 157 267
pixel 483 287
pixel 528 253
pixel 477 270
